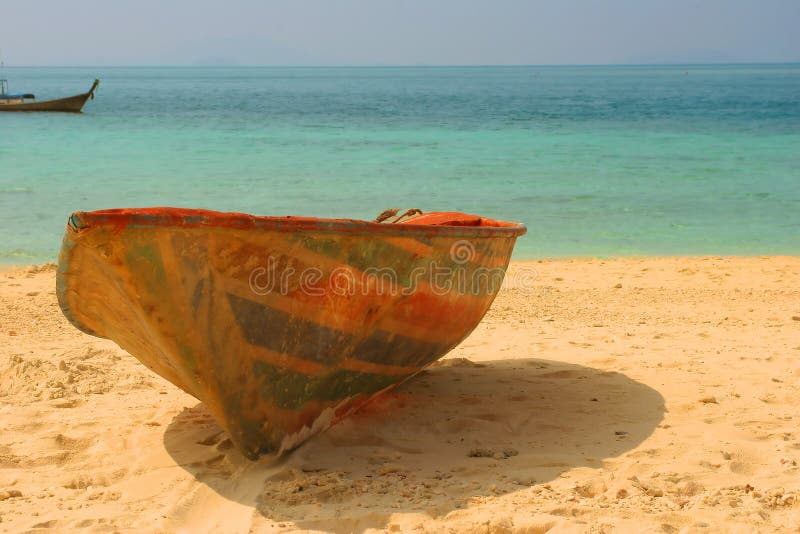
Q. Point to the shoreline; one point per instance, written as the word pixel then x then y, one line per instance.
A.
pixel 641 393
pixel 7 267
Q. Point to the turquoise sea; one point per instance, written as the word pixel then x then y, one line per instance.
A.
pixel 597 161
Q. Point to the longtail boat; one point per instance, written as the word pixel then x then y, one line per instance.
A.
pixel 280 325
pixel 25 101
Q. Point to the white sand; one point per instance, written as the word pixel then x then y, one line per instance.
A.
pixel 668 404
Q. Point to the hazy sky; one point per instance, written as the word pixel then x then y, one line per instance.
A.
pixel 397 32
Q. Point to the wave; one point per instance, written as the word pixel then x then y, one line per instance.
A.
pixel 15 190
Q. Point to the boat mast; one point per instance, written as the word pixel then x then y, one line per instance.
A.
pixel 3 81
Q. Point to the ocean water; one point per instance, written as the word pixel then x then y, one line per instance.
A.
pixel 597 161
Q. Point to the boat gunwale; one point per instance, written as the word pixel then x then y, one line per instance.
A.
pixel 121 218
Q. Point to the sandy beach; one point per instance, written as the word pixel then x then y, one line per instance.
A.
pixel 648 395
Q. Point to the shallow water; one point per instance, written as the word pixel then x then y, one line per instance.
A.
pixel 599 161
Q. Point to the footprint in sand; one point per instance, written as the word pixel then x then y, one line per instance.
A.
pixel 562 374
pixel 213 439
pixel 456 362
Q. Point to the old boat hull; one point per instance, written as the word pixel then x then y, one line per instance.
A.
pixel 70 104
pixel 280 325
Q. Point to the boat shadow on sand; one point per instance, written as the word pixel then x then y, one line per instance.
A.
pixel 457 432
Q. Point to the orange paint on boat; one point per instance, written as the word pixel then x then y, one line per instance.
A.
pixel 275 364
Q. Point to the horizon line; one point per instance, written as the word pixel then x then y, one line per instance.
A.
pixel 401 65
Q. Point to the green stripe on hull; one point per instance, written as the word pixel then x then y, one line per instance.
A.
pixel 280 332
pixel 291 391
pixel 409 269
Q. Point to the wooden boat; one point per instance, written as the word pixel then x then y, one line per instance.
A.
pixel 25 101
pixel 280 325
